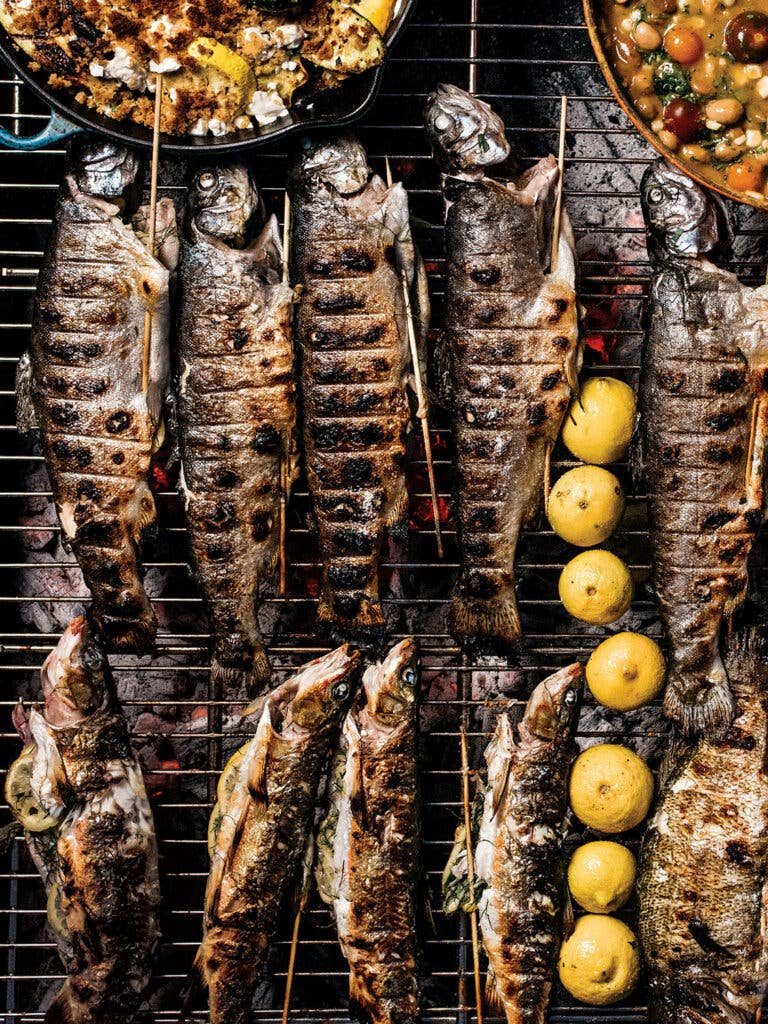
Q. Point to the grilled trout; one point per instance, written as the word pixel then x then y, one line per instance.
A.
pixel 84 380
pixel 78 790
pixel 368 845
pixel 351 238
pixel 702 889
pixel 261 827
pixel 704 412
pixel 237 410
pixel 510 354
pixel 520 861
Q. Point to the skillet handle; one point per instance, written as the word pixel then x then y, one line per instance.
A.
pixel 57 128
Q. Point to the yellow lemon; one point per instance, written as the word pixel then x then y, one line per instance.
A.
pixel 599 424
pixel 626 671
pixel 585 505
pixel 601 876
pixel 596 587
pixel 600 963
pixel 20 797
pixel 611 788
pixel 213 54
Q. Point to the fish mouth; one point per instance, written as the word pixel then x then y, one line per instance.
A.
pixel 70 643
pixel 465 132
pixel 386 690
pixel 543 718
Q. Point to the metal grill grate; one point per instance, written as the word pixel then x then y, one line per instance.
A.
pixel 522 66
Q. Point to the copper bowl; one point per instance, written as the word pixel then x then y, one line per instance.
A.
pixel 597 34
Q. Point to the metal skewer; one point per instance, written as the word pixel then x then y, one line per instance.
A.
pixel 152 225
pixel 422 412
pixel 470 874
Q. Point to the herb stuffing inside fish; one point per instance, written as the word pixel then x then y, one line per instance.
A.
pixel 82 383
pixel 237 409
pixel 520 861
pixel 262 825
pixel 351 239
pixel 510 354
pixel 704 413
pixel 368 846
pixel 78 790
pixel 703 872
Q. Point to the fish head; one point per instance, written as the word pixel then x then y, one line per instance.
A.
pixel 103 168
pixel 681 217
pixel 321 692
pixel 74 676
pixel 552 710
pixel 392 686
pixel 464 132
pixel 340 163
pixel 224 200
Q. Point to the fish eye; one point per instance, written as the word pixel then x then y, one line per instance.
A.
pixel 655 195
pixel 92 657
pixel 410 676
pixel 206 180
pixel 443 121
pixel 570 698
pixel 340 691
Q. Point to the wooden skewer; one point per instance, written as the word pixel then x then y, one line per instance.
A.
pixel 283 464
pixel 291 965
pixel 559 199
pixel 286 237
pixel 152 226
pixel 470 874
pixel 422 412
pixel 547 475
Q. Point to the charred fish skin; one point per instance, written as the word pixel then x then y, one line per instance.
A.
pixel 351 237
pixel 368 846
pixel 99 859
pixel 703 865
pixel 520 860
pixel 704 413
pixel 512 352
pixel 264 828
pixel 97 282
pixel 237 410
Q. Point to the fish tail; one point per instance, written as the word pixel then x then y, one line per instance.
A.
pixel 494 1001
pixel 351 613
pixel 494 618
pixel 135 634
pixel 67 1008
pixel 255 678
pixel 239 657
pixel 706 710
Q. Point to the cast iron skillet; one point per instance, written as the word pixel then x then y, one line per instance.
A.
pixel 597 34
pixel 329 108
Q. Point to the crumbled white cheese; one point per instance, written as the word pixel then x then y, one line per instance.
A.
pixel 266 106
pixel 243 122
pixel 163 26
pixel 289 65
pixel 290 36
pixel 200 127
pixel 217 127
pixel 122 69
pixel 164 66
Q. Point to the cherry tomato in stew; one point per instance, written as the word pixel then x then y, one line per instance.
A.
pixel 683 45
pixel 746 175
pixel 683 119
pixel 746 37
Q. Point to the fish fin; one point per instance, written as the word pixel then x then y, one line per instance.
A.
pixel 709 713
pixel 368 620
pixel 26 419
pixel 494 1001
pixel 636 456
pixel 357 802
pixel 677 748
pixel 144 511
pixel 500 787
pixel 490 618
pixel 257 770
pixel 569 921
pixel 195 987
pixel 255 679
pixel 397 516
pixel 701 934
pixel 67 1009
pixel 445 390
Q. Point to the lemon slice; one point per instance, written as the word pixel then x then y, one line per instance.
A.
pixel 57 916
pixel 21 800
pixel 378 12
pixel 213 54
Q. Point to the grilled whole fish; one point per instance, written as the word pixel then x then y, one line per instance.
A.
pixel 97 424
pixel 702 889
pixel 704 412
pixel 90 831
pixel 368 845
pixel 265 820
pixel 511 353
pixel 237 410
pixel 519 857
pixel 351 237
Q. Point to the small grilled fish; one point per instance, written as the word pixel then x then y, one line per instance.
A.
pixel 84 379
pixel 519 857
pixel 368 845
pixel 78 790
pixel 704 413
pixel 237 410
pixel 264 824
pixel 351 237
pixel 511 352
pixel 703 879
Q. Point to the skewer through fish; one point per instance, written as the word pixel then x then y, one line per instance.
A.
pixel 237 409
pixel 82 383
pixel 78 790
pixel 704 415
pixel 510 356
pixel 351 237
pixel 368 846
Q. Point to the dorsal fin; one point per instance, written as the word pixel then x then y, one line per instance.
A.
pixel 259 763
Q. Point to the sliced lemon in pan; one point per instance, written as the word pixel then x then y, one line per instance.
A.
pixel 213 54
pixel 378 12
pixel 21 799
